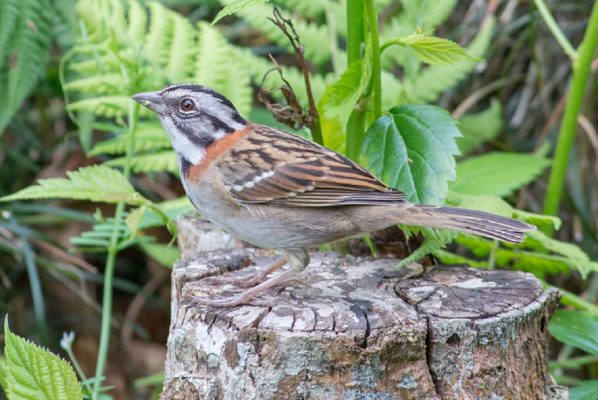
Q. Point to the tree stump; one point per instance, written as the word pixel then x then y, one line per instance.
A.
pixel 356 328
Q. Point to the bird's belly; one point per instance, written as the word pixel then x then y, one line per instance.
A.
pixel 274 227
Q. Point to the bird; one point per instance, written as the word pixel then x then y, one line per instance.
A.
pixel 277 190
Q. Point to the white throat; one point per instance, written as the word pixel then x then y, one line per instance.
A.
pixel 182 145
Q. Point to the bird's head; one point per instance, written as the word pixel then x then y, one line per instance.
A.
pixel 194 117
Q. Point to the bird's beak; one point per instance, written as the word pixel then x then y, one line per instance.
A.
pixel 151 100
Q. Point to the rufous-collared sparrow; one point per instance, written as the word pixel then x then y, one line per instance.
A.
pixel 279 191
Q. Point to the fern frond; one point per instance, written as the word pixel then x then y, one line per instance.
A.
pixel 155 162
pixel 29 41
pixel 182 50
pixel 308 8
pixel 105 106
pixel 311 34
pixel 234 7
pixel 137 21
pixel 214 68
pixel 159 35
pixel 102 84
pixel 94 183
pixel 258 66
pixel 149 136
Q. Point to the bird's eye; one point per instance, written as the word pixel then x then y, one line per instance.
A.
pixel 187 105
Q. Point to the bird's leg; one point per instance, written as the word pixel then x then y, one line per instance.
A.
pixel 247 280
pixel 298 260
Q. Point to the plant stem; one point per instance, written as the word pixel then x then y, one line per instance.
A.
pixel 111 260
pixel 376 65
pixel 581 70
pixel 556 30
pixel 355 40
pixel 355 30
pixel 39 308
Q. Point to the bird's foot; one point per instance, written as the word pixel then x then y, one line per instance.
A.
pixel 246 296
pixel 243 279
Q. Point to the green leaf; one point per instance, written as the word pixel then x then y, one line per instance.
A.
pixel 534 255
pixel 412 149
pixel 491 204
pixel 586 390
pixel 434 80
pixel 496 205
pixel 94 183
pixel 134 218
pixel 165 254
pixel 232 8
pixel 338 101
pixel 434 240
pixel 573 255
pixel 36 374
pixel 448 258
pixel 434 50
pixel 143 218
pixel 538 219
pixel 3 374
pixel 575 328
pixel 479 128
pixel 100 235
pixel 497 173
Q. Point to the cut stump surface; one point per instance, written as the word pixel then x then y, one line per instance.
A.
pixel 356 328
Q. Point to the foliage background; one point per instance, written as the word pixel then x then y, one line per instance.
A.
pixel 67 70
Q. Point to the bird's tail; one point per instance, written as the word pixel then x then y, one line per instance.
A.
pixel 470 221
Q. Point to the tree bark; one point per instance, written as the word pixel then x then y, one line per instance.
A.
pixel 355 328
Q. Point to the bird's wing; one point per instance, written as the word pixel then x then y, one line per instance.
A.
pixel 280 168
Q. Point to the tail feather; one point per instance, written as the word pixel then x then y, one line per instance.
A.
pixel 472 221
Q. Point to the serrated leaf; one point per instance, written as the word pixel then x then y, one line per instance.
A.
pixel 3 373
pixel 586 390
pixel 434 50
pixel 412 149
pixel 480 127
pixel 575 328
pixel 234 7
pixel 164 254
pixel 497 173
pixel 434 80
pixel 33 373
pixel 94 183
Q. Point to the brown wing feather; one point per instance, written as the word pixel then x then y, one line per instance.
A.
pixel 279 168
